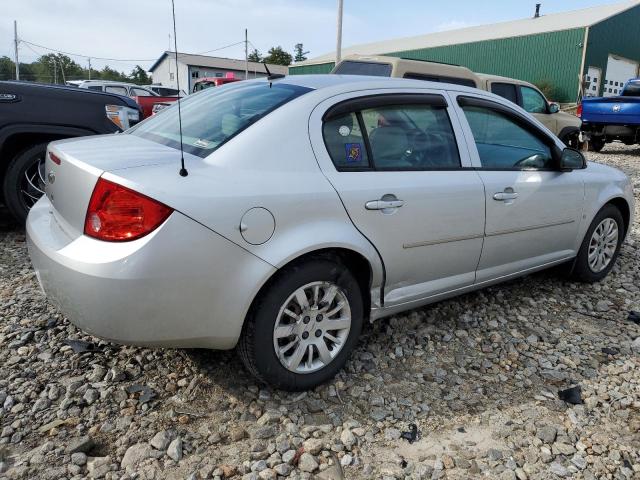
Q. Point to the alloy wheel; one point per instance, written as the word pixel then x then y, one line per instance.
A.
pixel 603 245
pixel 32 183
pixel 312 327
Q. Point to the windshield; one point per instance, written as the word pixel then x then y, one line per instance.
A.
pixel 632 89
pixel 350 67
pixel 214 116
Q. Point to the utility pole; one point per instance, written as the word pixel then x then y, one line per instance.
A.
pixel 246 55
pixel 89 60
pixel 339 33
pixel 16 41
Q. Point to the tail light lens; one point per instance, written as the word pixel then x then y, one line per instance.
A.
pixel 119 214
pixel 579 110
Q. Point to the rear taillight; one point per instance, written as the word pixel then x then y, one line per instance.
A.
pixel 579 110
pixel 119 214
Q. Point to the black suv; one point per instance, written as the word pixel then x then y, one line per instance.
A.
pixel 32 115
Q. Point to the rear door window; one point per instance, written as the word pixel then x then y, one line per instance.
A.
pixel 350 67
pixel 140 92
pixel 393 137
pixel 116 89
pixel 505 90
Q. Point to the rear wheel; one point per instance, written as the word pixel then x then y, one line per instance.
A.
pixel 304 326
pixel 24 181
pixel 596 144
pixel 601 246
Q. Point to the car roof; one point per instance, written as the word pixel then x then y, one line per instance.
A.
pixel 333 81
pixel 498 78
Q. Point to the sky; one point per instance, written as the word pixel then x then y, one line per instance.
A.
pixel 138 31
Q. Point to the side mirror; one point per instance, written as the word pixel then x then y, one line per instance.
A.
pixel 554 108
pixel 572 159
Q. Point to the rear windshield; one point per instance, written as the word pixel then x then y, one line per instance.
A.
pixel 214 116
pixel 631 90
pixel 350 67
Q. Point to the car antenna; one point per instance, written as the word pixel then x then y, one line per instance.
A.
pixel 271 76
pixel 183 171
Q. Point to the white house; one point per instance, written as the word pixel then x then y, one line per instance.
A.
pixel 192 67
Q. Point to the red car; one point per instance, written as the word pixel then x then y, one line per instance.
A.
pixel 207 82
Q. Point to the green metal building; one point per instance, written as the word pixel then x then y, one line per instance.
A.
pixel 589 52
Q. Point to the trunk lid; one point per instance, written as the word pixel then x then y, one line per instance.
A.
pixel 71 175
pixel 611 110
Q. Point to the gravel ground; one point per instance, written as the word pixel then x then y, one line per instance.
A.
pixel 478 375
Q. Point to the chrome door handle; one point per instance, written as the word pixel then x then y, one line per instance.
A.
pixel 383 204
pixel 504 196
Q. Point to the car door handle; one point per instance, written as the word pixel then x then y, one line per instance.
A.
pixel 504 196
pixel 383 204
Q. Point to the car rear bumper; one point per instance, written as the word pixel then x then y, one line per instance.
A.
pixel 180 286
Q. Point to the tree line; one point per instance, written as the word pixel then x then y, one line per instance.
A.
pixel 58 68
pixel 278 56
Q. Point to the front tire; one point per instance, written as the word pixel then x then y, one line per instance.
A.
pixel 24 181
pixel 600 247
pixel 303 328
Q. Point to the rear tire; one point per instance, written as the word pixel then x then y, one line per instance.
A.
pixel 260 339
pixel 596 144
pixel 24 181
pixel 587 268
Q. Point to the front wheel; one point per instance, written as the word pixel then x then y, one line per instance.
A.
pixel 24 181
pixel 303 327
pixel 572 139
pixel 601 246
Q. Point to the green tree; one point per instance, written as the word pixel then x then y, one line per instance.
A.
pixel 278 56
pixel 254 56
pixel 7 68
pixel 56 68
pixel 299 54
pixel 139 76
pixel 108 73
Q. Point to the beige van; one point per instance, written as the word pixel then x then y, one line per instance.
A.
pixel 524 94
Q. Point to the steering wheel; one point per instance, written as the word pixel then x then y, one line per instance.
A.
pixel 418 144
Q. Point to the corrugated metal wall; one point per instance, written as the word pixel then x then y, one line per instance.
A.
pixel 619 35
pixel 311 69
pixel 554 57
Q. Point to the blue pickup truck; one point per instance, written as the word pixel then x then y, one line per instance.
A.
pixel 612 118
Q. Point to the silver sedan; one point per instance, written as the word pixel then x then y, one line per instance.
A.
pixel 309 205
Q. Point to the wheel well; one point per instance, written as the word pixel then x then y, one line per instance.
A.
pixel 18 142
pixel 622 205
pixel 357 264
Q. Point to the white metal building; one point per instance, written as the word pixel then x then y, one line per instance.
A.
pixel 192 67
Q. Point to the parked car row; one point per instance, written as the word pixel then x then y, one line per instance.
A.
pixel 310 205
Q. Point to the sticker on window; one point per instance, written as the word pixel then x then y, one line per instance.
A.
pixel 354 152
pixel 344 131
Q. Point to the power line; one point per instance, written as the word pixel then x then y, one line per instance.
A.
pixel 129 60
pixel 89 56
